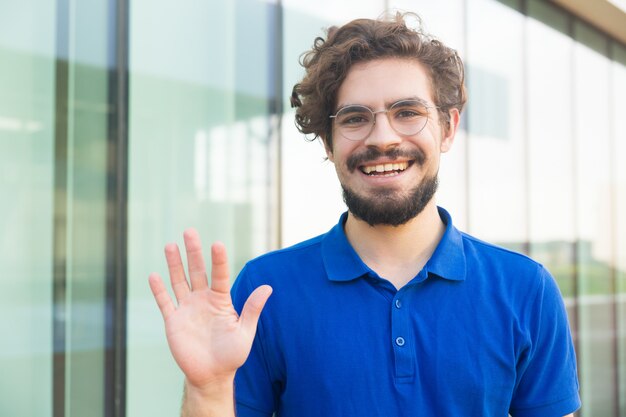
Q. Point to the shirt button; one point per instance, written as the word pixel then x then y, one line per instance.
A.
pixel 398 303
pixel 400 341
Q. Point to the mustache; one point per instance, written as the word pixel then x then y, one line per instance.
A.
pixel 371 154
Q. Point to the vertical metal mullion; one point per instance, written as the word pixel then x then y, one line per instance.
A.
pixel 59 243
pixel 526 245
pixel 576 190
pixel 117 217
pixel 613 221
pixel 276 27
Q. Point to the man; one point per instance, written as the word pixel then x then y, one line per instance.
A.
pixel 394 312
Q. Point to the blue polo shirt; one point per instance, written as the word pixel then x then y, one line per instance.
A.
pixel 480 331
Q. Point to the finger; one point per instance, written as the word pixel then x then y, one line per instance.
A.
pixel 177 271
pixel 195 260
pixel 252 308
pixel 163 299
pixel 219 268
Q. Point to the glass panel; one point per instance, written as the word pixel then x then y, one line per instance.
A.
pixel 497 186
pixel 307 178
pixel 550 150
pixel 200 156
pixel 593 177
pixel 619 156
pixel 86 233
pixel 27 149
pixel 27 72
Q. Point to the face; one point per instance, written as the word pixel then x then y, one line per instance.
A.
pixel 389 177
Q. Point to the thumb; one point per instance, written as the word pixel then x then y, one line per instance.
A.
pixel 252 308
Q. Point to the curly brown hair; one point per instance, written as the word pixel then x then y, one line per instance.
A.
pixel 329 61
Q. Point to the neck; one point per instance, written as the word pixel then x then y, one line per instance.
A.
pixel 397 253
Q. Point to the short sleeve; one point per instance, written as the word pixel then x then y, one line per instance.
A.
pixel 254 390
pixel 547 382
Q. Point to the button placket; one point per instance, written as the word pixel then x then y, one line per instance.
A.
pixel 400 337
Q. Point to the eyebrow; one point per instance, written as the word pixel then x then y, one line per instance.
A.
pixel 413 98
pixel 387 103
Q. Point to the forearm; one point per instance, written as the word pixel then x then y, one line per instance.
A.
pixel 216 400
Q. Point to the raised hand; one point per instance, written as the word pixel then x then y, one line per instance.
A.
pixel 208 340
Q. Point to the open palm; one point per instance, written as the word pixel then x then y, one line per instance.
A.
pixel 207 337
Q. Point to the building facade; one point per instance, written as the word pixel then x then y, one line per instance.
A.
pixel 124 122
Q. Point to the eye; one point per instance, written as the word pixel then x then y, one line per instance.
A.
pixel 409 110
pixel 353 117
pixel 406 113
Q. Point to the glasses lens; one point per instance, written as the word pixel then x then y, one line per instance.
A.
pixel 408 117
pixel 354 122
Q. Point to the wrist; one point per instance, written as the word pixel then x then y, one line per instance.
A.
pixel 214 398
pixel 213 389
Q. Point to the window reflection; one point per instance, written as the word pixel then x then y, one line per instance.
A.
pixel 550 151
pixel 26 191
pixel 201 144
pixel 593 177
pixel 618 76
pixel 496 124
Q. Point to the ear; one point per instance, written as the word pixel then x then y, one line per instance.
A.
pixel 329 151
pixel 448 134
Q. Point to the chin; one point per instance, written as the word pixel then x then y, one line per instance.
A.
pixel 387 208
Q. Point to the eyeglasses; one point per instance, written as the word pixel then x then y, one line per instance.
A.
pixel 406 117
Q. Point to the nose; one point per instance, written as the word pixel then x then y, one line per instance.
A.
pixel 383 135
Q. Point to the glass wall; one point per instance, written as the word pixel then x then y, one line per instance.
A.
pixel 550 153
pixel 536 166
pixel 202 155
pixel 27 73
pixel 497 184
pixel 54 115
pixel 618 146
pixel 592 146
pixel 85 229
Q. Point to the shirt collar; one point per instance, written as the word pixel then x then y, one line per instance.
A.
pixel 342 263
pixel 448 259
pixel 340 259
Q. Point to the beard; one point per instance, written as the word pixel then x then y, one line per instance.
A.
pixel 385 207
pixel 388 206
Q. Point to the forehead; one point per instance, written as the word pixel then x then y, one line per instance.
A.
pixel 381 82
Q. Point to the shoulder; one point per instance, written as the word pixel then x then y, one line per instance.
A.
pixel 290 256
pixel 467 257
pixel 497 259
pixel 282 264
pixel 511 275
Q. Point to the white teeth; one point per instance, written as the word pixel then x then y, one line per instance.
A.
pixel 400 166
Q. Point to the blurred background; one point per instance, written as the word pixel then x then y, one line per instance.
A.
pixel 124 122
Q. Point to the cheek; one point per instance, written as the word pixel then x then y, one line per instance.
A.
pixel 434 139
pixel 339 152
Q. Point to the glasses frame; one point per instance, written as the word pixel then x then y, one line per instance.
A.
pixel 386 111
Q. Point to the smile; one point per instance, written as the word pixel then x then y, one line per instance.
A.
pixel 386 170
